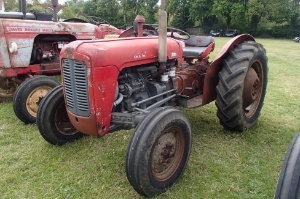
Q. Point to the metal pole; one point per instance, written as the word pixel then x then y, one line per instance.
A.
pixel 162 41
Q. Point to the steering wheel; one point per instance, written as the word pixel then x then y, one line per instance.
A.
pixel 176 33
pixel 147 31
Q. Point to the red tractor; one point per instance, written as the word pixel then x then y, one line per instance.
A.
pixel 29 46
pixel 137 83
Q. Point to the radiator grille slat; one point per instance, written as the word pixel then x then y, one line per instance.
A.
pixel 76 86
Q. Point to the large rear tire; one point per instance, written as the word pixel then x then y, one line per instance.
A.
pixel 288 185
pixel 158 151
pixel 242 86
pixel 28 96
pixel 53 121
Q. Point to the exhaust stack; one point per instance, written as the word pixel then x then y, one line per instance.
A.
pixel 162 40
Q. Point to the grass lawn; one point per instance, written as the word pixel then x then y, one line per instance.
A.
pixel 222 164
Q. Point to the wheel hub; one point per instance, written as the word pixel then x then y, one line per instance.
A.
pixel 252 89
pixel 34 99
pixel 62 121
pixel 167 154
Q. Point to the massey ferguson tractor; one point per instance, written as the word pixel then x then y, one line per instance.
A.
pixel 30 46
pixel 137 82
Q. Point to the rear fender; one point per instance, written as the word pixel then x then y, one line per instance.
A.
pixel 211 79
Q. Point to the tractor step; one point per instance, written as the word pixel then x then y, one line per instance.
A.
pixel 194 102
pixel 190 103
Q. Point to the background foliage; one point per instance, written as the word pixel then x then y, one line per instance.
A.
pixel 280 18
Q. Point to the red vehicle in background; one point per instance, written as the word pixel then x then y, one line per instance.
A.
pixel 29 46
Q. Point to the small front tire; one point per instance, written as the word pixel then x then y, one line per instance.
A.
pixel 158 151
pixel 53 121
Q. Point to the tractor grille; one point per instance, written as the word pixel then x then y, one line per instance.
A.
pixel 76 86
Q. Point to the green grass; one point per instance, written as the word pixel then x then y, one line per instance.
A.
pixel 222 164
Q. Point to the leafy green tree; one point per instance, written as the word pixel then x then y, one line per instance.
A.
pixel 179 13
pixel 150 10
pixel 67 13
pixel 200 10
pixel 11 5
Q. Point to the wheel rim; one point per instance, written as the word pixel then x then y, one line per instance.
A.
pixel 253 87
pixel 167 154
pixel 62 121
pixel 34 99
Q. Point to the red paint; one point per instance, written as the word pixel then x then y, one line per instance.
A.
pixel 211 79
pixel 209 49
pixel 105 59
pixel 24 32
pixel 36 69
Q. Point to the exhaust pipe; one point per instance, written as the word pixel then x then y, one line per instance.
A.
pixel 162 37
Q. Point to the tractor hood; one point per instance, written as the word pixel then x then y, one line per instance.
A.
pixel 121 53
pixel 104 59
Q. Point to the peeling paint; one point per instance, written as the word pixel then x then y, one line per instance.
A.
pixel 100 88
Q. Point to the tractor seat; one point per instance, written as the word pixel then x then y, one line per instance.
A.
pixel 193 51
pixel 197 46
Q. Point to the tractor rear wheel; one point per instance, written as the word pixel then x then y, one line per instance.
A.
pixel 158 151
pixel 53 121
pixel 242 86
pixel 28 96
pixel 288 185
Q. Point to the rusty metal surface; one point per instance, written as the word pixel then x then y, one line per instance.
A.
pixel 130 32
pixel 211 78
pixel 253 87
pixel 140 20
pixel 37 69
pixel 167 154
pixel 62 121
pixel 34 98
pixel 190 78
pixel 87 125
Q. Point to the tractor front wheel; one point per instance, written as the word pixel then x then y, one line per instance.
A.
pixel 53 121
pixel 28 96
pixel 158 151
pixel 242 86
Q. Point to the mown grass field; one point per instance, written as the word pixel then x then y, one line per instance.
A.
pixel 222 164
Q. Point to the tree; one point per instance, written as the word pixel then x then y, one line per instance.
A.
pixel 67 13
pixel 150 10
pixel 200 11
pixel 179 12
